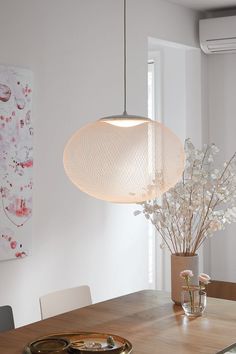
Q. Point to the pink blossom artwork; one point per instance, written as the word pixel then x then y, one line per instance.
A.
pixel 16 162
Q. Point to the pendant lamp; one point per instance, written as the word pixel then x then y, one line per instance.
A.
pixel 124 158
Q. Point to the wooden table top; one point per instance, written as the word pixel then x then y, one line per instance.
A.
pixel 148 319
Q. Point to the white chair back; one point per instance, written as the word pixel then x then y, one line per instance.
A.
pixel 64 300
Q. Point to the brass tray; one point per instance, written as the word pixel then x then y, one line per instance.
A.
pixel 87 343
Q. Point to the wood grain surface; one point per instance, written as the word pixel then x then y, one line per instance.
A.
pixel 148 319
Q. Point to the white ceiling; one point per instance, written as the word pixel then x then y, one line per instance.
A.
pixel 203 5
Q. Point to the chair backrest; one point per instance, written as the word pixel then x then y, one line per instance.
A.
pixel 222 290
pixel 64 300
pixel 6 318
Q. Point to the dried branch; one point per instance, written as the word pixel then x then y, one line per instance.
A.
pixel 189 212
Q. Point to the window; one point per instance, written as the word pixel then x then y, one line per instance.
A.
pixel 155 256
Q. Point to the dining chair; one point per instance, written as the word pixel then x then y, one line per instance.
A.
pixel 6 318
pixel 65 300
pixel 221 290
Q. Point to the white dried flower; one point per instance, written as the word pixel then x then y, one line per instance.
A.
pixel 196 206
pixel 137 212
pixel 215 225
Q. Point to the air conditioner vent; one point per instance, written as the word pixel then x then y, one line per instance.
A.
pixel 218 35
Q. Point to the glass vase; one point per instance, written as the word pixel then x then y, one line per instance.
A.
pixel 193 301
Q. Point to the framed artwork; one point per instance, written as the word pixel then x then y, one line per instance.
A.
pixel 16 162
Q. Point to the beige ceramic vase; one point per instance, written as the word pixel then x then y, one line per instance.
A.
pixel 178 264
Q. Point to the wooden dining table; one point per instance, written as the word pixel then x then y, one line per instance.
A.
pixel 148 319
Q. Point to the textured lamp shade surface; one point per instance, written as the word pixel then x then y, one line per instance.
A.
pixel 124 164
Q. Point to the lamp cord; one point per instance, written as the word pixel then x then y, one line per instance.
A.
pixel 125 60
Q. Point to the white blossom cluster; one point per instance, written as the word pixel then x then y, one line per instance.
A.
pixel 202 202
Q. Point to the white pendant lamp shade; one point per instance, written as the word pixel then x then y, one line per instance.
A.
pixel 124 160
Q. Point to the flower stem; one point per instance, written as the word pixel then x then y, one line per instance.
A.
pixel 190 294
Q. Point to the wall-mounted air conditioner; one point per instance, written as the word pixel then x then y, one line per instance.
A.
pixel 218 35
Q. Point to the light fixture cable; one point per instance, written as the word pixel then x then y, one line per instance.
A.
pixel 125 62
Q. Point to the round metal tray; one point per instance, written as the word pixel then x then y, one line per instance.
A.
pixel 86 343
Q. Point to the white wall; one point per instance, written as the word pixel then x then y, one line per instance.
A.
pixel 222 130
pixel 74 48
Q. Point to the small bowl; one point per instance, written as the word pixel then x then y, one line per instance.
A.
pixel 49 345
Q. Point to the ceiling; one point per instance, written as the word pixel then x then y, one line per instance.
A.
pixel 203 5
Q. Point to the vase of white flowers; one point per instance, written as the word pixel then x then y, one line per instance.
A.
pixel 202 202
